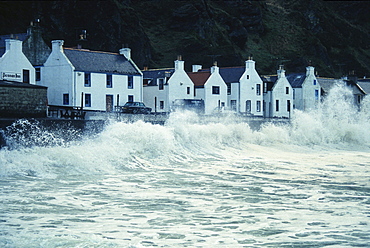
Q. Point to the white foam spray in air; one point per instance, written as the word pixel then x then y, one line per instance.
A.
pixel 184 139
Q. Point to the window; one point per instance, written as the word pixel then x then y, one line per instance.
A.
pixel 247 76
pixel 215 90
pixel 248 106
pixel 109 81
pixel 87 100
pixel 228 88
pixel 233 104
pixel 288 105
pixel 160 83
pixel 161 104
pixel 26 76
pixel 87 79
pixel 130 98
pixel 314 82
pixel 130 82
pixel 258 89
pixel 258 107
pixel 65 99
pixel 316 95
pixel 277 105
pixel 188 90
pixel 38 73
pixel 287 90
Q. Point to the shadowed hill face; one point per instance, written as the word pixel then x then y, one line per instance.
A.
pixel 332 35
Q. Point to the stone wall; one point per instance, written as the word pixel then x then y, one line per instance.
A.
pixel 23 102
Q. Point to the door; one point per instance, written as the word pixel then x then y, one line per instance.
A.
pixel 109 103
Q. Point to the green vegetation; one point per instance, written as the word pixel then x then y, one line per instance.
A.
pixel 333 35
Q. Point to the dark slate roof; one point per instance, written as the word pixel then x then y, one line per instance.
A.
pixel 199 78
pixel 232 74
pixel 269 81
pixel 296 79
pixel 326 83
pixel 6 83
pixel 21 37
pixel 154 74
pixel 365 85
pixel 94 61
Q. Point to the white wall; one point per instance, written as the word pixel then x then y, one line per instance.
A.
pixel 309 86
pixel 13 62
pixel 57 74
pixel 279 93
pixel 150 93
pixel 178 84
pixel 248 89
pixel 212 102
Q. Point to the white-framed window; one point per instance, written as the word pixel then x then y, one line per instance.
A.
pixel 109 81
pixel 130 82
pixel 215 90
pixel 87 100
pixel 66 99
pixel 87 79
pixel 258 106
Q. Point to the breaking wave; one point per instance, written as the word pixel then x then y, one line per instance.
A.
pixel 183 140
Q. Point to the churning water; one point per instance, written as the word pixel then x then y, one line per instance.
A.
pixel 191 184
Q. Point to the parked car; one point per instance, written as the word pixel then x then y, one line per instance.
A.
pixel 135 108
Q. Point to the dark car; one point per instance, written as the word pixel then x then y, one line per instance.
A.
pixel 135 108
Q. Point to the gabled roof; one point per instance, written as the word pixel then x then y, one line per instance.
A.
pixel 199 78
pixel 95 61
pixel 232 74
pixel 21 37
pixel 365 85
pixel 296 79
pixel 154 74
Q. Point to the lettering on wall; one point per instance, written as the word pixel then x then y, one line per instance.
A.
pixel 10 75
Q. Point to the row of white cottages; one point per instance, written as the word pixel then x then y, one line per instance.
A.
pixel 99 81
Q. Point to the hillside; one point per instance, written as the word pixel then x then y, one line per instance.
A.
pixel 333 35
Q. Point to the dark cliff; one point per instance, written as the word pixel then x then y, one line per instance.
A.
pixel 333 35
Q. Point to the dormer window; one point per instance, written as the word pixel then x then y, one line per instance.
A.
pixel 87 79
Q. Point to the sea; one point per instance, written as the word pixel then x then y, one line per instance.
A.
pixel 190 183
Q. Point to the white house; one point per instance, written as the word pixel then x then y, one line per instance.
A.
pixel 278 95
pixel 211 88
pixel 306 89
pixel 93 79
pixel 14 65
pixel 163 87
pixel 251 91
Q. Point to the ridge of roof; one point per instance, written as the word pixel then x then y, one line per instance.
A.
pixel 88 50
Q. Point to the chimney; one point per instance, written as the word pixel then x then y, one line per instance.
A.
pixel 310 70
pixel 179 64
pixel 214 68
pixel 196 68
pixel 13 45
pixel 281 71
pixel 125 52
pixel 57 45
pixel 250 64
